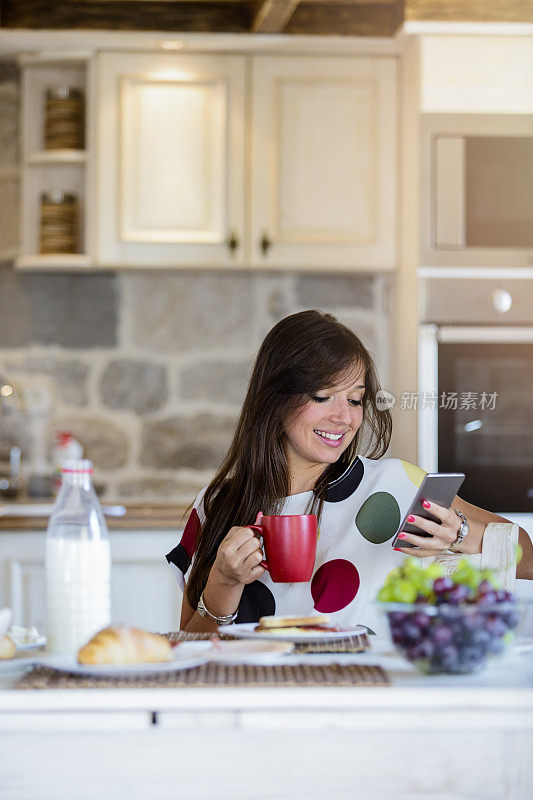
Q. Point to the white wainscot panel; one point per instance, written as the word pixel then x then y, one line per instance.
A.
pixel 144 589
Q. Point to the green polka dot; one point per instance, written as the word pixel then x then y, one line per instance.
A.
pixel 378 518
pixel 414 473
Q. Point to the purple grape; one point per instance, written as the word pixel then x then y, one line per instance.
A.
pixel 495 625
pixel 487 599
pixel 505 597
pixel 442 585
pixel 397 637
pixel 472 621
pixel 441 634
pixel 458 593
pixel 447 612
pixel 411 632
pixel 397 617
pixel 470 658
pixel 484 587
pixel 421 620
pixel 511 618
pixel 422 651
pixel 446 659
pixel 481 639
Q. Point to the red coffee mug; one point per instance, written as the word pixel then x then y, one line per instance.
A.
pixel 290 546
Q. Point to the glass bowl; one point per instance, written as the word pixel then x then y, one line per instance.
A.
pixel 448 638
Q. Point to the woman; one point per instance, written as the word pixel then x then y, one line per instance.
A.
pixel 310 401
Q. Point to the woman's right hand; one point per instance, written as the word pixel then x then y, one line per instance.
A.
pixel 239 557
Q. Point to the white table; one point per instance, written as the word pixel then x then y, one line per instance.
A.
pixel 438 737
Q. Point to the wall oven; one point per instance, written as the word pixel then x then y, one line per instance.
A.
pixel 475 394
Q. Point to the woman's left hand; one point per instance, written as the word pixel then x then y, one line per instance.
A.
pixel 441 535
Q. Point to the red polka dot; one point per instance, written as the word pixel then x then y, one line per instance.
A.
pixel 190 534
pixel 334 585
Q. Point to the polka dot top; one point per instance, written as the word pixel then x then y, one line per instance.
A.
pixel 361 514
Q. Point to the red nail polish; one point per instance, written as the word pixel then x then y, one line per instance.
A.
pixel 397 549
pixel 426 504
pixel 402 536
pixel 410 518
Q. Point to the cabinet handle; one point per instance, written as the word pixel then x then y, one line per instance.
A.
pixel 232 241
pixel 265 243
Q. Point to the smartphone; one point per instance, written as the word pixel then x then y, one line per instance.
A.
pixel 437 487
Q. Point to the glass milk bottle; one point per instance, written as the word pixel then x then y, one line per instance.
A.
pixel 78 563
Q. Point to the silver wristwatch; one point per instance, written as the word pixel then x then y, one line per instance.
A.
pixel 462 533
pixel 204 612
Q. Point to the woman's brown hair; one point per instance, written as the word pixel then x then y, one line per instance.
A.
pixel 303 354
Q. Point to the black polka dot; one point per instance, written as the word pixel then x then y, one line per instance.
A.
pixel 179 557
pixel 348 482
pixel 257 601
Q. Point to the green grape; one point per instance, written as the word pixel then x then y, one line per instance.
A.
pixel 519 553
pixel 467 574
pixel 404 591
pixel 422 584
pixel 385 595
pixel 393 575
pixel 488 575
pixel 434 571
pixel 412 566
pixel 469 578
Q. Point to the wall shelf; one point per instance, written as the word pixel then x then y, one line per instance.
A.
pixel 55 261
pixel 59 170
pixel 57 157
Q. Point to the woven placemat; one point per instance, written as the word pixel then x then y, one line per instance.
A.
pixel 217 675
pixel 352 644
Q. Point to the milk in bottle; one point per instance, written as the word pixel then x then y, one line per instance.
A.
pixel 78 563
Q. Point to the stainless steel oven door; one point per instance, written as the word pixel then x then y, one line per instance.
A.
pixel 475 411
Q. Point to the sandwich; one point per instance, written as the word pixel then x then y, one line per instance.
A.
pixel 288 625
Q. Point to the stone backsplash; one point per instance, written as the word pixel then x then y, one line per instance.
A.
pixel 146 368
pixel 148 371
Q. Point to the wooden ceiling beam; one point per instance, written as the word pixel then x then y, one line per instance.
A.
pixel 273 15
pixel 341 19
pixel 469 10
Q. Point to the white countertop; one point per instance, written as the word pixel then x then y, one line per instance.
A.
pixel 505 683
pixel 474 736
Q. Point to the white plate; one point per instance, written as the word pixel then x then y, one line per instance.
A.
pixel 40 642
pixel 187 654
pixel 247 652
pixel 17 661
pixel 245 630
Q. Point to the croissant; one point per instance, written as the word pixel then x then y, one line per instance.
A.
pixel 7 648
pixel 124 645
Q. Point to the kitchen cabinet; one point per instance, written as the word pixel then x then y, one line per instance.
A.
pixel 170 172
pixel 65 170
pixel 323 162
pixel 144 591
pixel 234 160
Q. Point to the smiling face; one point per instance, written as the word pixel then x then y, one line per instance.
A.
pixel 320 431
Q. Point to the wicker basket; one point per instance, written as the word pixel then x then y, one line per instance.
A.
pixel 59 223
pixel 64 119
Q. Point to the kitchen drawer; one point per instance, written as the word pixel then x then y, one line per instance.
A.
pixel 486 301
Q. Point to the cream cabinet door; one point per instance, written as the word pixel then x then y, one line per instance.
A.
pixel 170 160
pixel 144 591
pixel 324 164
